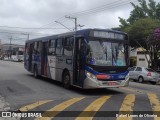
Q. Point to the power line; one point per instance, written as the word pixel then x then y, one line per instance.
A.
pixel 22 32
pixel 63 25
pixel 112 5
pixel 81 13
pixel 28 28
pixel 53 22
pixel 75 19
pixel 92 11
pixel 97 8
pixel 19 38
pixel 22 40
pixel 18 33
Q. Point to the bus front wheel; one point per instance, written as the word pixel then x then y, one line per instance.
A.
pixel 66 80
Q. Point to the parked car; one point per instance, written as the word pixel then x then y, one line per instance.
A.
pixel 1 58
pixel 142 74
pixel 6 58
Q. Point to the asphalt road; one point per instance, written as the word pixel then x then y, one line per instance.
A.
pixel 19 90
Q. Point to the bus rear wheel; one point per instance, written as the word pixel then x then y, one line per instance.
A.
pixel 66 80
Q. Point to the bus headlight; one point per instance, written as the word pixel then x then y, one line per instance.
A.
pixel 90 75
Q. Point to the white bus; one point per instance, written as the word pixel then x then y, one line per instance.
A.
pixel 17 54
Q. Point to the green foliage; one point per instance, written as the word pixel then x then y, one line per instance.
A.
pixel 140 30
pixel 140 26
pixel 143 20
pixel 123 23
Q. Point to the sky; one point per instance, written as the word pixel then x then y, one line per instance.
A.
pixel 17 17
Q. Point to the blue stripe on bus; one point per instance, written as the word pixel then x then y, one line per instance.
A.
pixel 118 76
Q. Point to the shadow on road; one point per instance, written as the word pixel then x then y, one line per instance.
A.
pixel 97 92
pixel 88 92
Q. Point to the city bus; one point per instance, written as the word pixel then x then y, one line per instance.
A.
pixel 89 58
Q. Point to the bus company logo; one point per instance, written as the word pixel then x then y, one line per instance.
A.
pixel 6 114
pixel 121 76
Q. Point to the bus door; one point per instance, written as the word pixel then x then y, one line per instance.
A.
pixel 78 61
pixel 30 56
pixel 44 58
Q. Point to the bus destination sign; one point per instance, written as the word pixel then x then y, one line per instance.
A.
pixel 109 35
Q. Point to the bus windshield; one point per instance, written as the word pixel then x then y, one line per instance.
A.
pixel 104 53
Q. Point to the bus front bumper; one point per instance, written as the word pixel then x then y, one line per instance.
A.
pixel 90 83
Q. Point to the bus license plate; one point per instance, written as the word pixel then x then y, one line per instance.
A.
pixel 112 83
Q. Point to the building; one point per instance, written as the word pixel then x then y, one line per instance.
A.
pixel 139 57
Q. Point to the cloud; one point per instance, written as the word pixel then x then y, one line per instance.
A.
pixel 38 13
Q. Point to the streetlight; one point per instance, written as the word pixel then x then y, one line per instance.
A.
pixel 81 26
pixel 63 25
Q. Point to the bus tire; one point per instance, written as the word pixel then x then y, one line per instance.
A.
pixel 35 71
pixel 66 80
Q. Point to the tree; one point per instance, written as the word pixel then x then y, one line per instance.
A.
pixel 140 30
pixel 140 25
pixel 143 10
pixel 153 44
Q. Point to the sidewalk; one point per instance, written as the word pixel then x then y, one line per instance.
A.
pixel 4 107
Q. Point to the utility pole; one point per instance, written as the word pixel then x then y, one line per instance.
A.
pixel 75 19
pixel 10 49
pixel 28 36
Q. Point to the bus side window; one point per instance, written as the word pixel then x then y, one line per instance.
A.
pixel 52 45
pixel 39 47
pixel 14 52
pixel 27 48
pixel 59 47
pixel 68 46
pixel 35 47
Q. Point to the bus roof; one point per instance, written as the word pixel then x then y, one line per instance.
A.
pixel 84 32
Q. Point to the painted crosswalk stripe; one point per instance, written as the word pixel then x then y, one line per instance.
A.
pixel 127 105
pixel 155 103
pixel 34 105
pixel 94 107
pixel 58 108
pixel 131 89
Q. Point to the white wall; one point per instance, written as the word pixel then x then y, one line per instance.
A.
pixel 141 60
pixel 132 53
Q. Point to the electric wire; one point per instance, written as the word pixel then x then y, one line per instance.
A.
pixel 96 9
